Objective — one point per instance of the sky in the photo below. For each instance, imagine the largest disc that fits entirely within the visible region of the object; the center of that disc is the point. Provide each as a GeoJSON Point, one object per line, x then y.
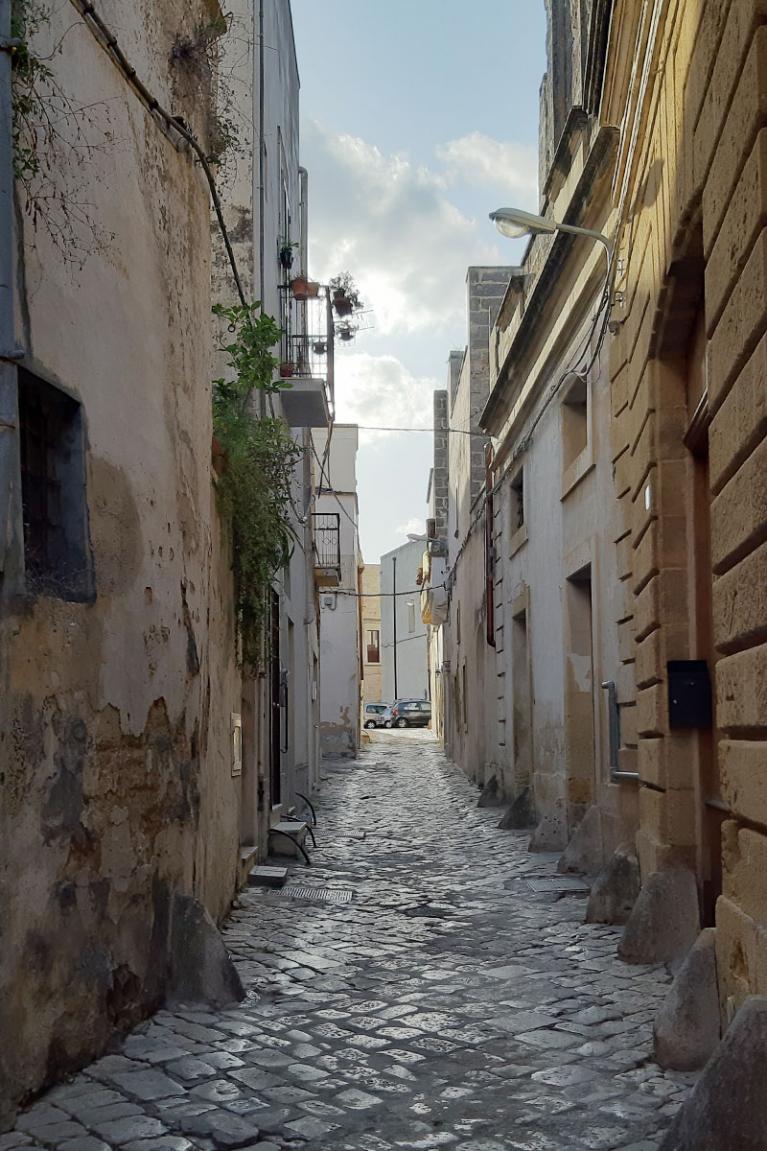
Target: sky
{"type": "Point", "coordinates": [418, 118]}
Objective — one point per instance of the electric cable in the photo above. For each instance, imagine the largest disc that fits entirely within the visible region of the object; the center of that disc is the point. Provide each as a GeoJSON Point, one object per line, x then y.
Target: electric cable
{"type": "Point", "coordinates": [173, 124]}
{"type": "Point", "coordinates": [380, 594]}
{"type": "Point", "coordinates": [330, 492]}
{"type": "Point", "coordinates": [433, 431]}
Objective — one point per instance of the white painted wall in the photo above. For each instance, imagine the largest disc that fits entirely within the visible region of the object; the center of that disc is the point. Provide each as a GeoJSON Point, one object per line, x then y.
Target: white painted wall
{"type": "Point", "coordinates": [340, 674]}
{"type": "Point", "coordinates": [411, 655]}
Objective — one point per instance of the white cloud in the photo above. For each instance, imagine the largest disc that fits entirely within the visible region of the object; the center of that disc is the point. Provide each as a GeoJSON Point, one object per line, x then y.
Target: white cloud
{"type": "Point", "coordinates": [414, 526]}
{"type": "Point", "coordinates": [380, 391]}
{"type": "Point", "coordinates": [392, 224]}
{"type": "Point", "coordinates": [503, 165]}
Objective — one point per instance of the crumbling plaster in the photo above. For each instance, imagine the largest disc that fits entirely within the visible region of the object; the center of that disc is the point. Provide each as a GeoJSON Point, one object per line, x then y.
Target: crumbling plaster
{"type": "Point", "coordinates": [114, 749]}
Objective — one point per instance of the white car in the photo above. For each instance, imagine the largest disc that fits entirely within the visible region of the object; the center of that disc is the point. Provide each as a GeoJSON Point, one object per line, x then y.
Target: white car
{"type": "Point", "coordinates": [373, 714]}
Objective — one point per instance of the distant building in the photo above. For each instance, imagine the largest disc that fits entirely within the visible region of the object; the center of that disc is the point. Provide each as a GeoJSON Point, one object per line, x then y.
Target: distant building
{"type": "Point", "coordinates": [371, 633]}
{"type": "Point", "coordinates": [404, 668]}
{"type": "Point", "coordinates": [339, 562]}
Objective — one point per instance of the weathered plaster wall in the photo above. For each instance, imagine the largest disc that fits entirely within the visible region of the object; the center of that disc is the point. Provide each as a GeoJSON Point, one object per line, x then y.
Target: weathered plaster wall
{"type": "Point", "coordinates": [114, 716]}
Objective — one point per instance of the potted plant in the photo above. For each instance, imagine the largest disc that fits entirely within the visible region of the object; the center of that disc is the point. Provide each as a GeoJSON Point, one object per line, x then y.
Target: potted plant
{"type": "Point", "coordinates": [303, 289]}
{"type": "Point", "coordinates": [319, 347]}
{"type": "Point", "coordinates": [286, 252]}
{"type": "Point", "coordinates": [287, 369]}
{"type": "Point", "coordinates": [345, 294]}
{"type": "Point", "coordinates": [345, 332]}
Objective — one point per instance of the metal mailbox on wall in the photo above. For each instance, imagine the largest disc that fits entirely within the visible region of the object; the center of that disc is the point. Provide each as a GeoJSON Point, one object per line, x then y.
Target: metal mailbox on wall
{"type": "Point", "coordinates": [689, 693]}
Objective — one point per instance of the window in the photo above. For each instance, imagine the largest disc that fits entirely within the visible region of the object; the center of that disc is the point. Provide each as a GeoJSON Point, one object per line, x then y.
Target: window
{"type": "Point", "coordinates": [57, 558]}
{"type": "Point", "coordinates": [575, 423]}
{"type": "Point", "coordinates": [517, 503]}
{"type": "Point", "coordinates": [374, 647]}
{"type": "Point", "coordinates": [410, 616]}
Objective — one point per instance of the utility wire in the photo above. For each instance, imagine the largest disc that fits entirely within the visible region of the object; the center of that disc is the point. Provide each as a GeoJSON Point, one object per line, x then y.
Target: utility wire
{"type": "Point", "coordinates": [380, 594]}
{"type": "Point", "coordinates": [435, 431]}
{"type": "Point", "coordinates": [173, 124]}
{"type": "Point", "coordinates": [329, 491]}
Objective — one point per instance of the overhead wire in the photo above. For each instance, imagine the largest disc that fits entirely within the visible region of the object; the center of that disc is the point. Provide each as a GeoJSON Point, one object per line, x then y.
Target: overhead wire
{"type": "Point", "coordinates": [380, 594]}
{"type": "Point", "coordinates": [174, 126]}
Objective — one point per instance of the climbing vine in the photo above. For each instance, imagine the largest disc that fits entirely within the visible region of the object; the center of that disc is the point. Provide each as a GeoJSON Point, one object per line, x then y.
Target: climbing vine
{"type": "Point", "coordinates": [259, 456]}
{"type": "Point", "coordinates": [54, 138]}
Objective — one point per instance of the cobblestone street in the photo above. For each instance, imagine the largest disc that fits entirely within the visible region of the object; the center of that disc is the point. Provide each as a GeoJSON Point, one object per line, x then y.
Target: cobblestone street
{"type": "Point", "coordinates": [455, 1000]}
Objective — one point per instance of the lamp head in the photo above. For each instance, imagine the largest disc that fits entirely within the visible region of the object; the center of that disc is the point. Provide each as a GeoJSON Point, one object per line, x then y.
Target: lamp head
{"type": "Point", "coordinates": [514, 223]}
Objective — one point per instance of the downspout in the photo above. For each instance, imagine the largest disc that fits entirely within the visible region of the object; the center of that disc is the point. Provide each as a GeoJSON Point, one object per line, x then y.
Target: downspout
{"type": "Point", "coordinates": [614, 719]}
{"type": "Point", "coordinates": [303, 215]}
{"type": "Point", "coordinates": [394, 617]}
{"type": "Point", "coordinates": [10, 512]}
{"type": "Point", "coordinates": [261, 171]}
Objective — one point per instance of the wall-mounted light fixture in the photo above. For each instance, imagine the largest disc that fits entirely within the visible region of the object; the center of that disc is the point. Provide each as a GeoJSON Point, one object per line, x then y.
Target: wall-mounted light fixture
{"type": "Point", "coordinates": [514, 223]}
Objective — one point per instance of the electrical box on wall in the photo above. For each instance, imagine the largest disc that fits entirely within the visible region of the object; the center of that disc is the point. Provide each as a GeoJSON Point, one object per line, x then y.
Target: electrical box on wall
{"type": "Point", "coordinates": [689, 693]}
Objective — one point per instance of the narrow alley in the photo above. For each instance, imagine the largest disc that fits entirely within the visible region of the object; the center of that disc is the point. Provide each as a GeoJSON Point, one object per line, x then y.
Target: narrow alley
{"type": "Point", "coordinates": [427, 983]}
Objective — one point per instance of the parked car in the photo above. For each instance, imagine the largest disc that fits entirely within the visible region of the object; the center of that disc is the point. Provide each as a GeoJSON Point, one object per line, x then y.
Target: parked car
{"type": "Point", "coordinates": [410, 713]}
{"type": "Point", "coordinates": [374, 714]}
{"type": "Point", "coordinates": [389, 715]}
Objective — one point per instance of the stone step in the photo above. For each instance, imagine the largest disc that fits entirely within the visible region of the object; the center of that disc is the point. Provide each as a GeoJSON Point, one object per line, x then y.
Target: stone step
{"type": "Point", "coordinates": [264, 876]}
{"type": "Point", "coordinates": [292, 830]}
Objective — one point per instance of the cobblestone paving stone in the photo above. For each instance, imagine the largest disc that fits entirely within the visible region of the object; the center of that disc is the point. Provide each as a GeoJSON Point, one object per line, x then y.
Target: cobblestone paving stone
{"type": "Point", "coordinates": [452, 1003]}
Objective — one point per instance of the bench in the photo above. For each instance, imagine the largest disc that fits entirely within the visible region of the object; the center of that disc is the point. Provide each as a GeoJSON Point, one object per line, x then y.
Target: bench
{"type": "Point", "coordinates": [293, 830]}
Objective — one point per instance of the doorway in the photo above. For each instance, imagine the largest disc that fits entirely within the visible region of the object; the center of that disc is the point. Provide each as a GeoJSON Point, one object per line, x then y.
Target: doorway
{"type": "Point", "coordinates": [579, 694]}
{"type": "Point", "coordinates": [275, 711]}
{"type": "Point", "coordinates": [711, 808]}
{"type": "Point", "coordinates": [522, 698]}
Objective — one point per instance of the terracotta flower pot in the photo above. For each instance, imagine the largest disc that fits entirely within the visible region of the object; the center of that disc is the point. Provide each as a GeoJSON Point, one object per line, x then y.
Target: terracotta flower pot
{"type": "Point", "coordinates": [341, 302]}
{"type": "Point", "coordinates": [287, 369]}
{"type": "Point", "coordinates": [304, 289]}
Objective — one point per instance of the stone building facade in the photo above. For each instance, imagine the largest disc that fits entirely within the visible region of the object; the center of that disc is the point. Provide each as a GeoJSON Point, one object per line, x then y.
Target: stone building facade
{"type": "Point", "coordinates": [371, 633]}
{"type": "Point", "coordinates": [622, 519]}
{"type": "Point", "coordinates": [687, 372]}
{"type": "Point", "coordinates": [265, 197]}
{"type": "Point", "coordinates": [133, 754]}
{"type": "Point", "coordinates": [404, 665]}
{"type": "Point", "coordinates": [339, 603]}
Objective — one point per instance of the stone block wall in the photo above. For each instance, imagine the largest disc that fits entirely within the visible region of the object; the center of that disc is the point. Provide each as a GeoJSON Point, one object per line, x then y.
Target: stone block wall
{"type": "Point", "coordinates": [689, 380]}
{"type": "Point", "coordinates": [440, 480]}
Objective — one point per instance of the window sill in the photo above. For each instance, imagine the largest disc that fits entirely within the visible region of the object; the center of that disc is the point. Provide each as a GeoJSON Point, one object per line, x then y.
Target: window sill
{"type": "Point", "coordinates": [577, 471]}
{"type": "Point", "coordinates": [517, 540]}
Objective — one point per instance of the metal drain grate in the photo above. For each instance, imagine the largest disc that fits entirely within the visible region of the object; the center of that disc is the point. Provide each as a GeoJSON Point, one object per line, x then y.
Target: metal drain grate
{"type": "Point", "coordinates": [323, 894]}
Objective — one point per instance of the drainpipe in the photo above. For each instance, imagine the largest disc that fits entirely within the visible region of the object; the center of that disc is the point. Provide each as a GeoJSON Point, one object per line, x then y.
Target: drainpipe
{"type": "Point", "coordinates": [303, 215]}
{"type": "Point", "coordinates": [10, 512]}
{"type": "Point", "coordinates": [615, 733]}
{"type": "Point", "coordinates": [261, 170]}
{"type": "Point", "coordinates": [394, 617]}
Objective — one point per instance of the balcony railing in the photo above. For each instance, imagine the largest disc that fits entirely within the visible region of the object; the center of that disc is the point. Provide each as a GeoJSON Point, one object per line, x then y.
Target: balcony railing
{"type": "Point", "coordinates": [327, 548]}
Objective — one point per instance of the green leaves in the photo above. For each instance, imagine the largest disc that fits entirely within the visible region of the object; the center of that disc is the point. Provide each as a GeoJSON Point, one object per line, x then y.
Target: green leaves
{"type": "Point", "coordinates": [255, 486]}
{"type": "Point", "coordinates": [251, 361]}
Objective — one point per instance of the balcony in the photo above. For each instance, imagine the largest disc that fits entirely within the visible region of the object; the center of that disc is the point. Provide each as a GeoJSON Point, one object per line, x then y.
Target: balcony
{"type": "Point", "coordinates": [326, 532]}
{"type": "Point", "coordinates": [305, 373]}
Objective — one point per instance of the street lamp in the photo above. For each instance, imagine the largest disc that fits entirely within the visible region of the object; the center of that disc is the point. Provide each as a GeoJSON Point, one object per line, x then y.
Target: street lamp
{"type": "Point", "coordinates": [514, 223]}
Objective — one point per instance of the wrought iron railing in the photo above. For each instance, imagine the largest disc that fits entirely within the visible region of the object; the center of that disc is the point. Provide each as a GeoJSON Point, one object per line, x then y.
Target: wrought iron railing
{"type": "Point", "coordinates": [327, 539]}
{"type": "Point", "coordinates": [308, 355]}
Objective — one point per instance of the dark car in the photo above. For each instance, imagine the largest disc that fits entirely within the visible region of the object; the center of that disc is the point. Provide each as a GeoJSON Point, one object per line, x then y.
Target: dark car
{"type": "Point", "coordinates": [411, 713]}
